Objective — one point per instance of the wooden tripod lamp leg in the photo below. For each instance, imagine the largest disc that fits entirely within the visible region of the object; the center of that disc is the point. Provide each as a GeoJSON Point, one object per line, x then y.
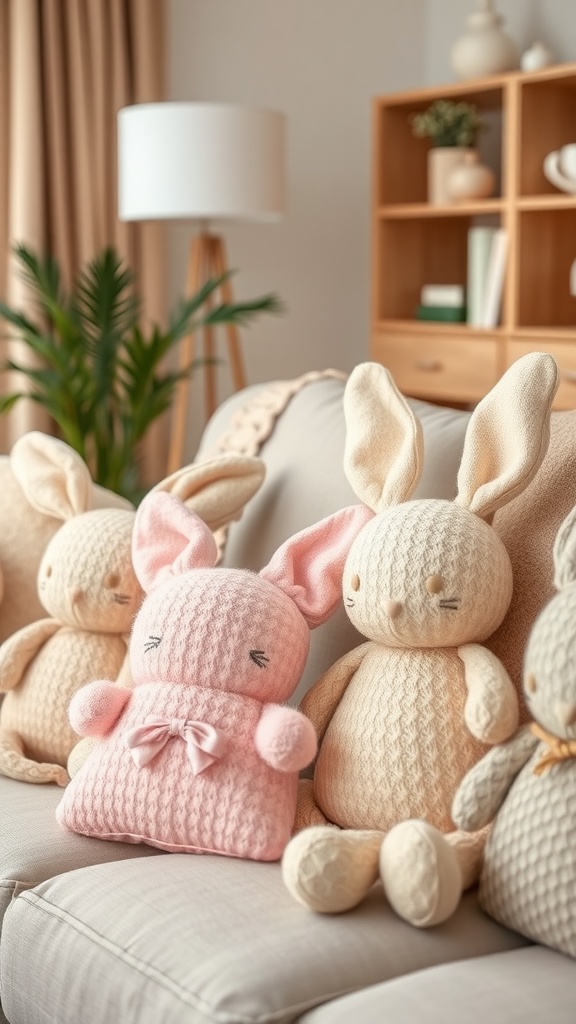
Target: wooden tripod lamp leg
{"type": "Point", "coordinates": [234, 349]}
{"type": "Point", "coordinates": [196, 262]}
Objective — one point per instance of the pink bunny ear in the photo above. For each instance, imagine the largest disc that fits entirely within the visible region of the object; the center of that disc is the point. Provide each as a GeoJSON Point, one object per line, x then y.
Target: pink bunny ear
{"type": "Point", "coordinates": [309, 566]}
{"type": "Point", "coordinates": [168, 539]}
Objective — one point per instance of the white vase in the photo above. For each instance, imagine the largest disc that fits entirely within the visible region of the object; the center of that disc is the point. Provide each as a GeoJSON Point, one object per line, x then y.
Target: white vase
{"type": "Point", "coordinates": [442, 161]}
{"type": "Point", "coordinates": [485, 49]}
{"type": "Point", "coordinates": [538, 56]}
{"type": "Point", "coordinates": [470, 179]}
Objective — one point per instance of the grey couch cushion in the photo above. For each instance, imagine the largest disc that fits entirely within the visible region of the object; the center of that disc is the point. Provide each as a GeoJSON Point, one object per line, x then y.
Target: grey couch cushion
{"type": "Point", "coordinates": [187, 939]}
{"type": "Point", "coordinates": [33, 847]}
{"type": "Point", "coordinates": [525, 986]}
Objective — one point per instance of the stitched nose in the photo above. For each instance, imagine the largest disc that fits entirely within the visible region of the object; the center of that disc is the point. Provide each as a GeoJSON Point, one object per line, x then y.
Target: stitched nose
{"type": "Point", "coordinates": [566, 713]}
{"type": "Point", "coordinates": [76, 595]}
{"type": "Point", "coordinates": [392, 608]}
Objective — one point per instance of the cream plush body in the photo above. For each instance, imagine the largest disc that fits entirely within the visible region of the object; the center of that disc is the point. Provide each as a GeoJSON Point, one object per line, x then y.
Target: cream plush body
{"type": "Point", "coordinates": [527, 786]}
{"type": "Point", "coordinates": [402, 718]}
{"type": "Point", "coordinates": [86, 582]}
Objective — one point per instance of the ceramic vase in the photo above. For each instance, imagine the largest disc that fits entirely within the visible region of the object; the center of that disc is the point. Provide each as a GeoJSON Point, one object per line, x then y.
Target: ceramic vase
{"type": "Point", "coordinates": [442, 161]}
{"type": "Point", "coordinates": [470, 179]}
{"type": "Point", "coordinates": [538, 56]}
{"type": "Point", "coordinates": [485, 49]}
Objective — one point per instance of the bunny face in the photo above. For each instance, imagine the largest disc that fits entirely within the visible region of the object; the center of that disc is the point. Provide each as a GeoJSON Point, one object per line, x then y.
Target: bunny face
{"type": "Point", "coordinates": [550, 666]}
{"type": "Point", "coordinates": [427, 573]}
{"type": "Point", "coordinates": [222, 629]}
{"type": "Point", "coordinates": [86, 579]}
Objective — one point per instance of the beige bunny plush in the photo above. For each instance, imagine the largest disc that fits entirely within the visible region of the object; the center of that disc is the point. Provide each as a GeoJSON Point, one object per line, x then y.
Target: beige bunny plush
{"type": "Point", "coordinates": [37, 460]}
{"type": "Point", "coordinates": [527, 786]}
{"type": "Point", "coordinates": [87, 584]}
{"type": "Point", "coordinates": [403, 717]}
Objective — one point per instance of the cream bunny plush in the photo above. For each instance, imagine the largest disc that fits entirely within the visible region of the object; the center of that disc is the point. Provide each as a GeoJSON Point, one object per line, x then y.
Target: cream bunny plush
{"type": "Point", "coordinates": [87, 584]}
{"type": "Point", "coordinates": [201, 754]}
{"type": "Point", "coordinates": [402, 718]}
{"type": "Point", "coordinates": [527, 786]}
{"type": "Point", "coordinates": [37, 461]}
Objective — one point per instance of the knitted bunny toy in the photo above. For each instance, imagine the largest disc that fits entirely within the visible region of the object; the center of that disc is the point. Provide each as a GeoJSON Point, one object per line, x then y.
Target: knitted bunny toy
{"type": "Point", "coordinates": [201, 756]}
{"type": "Point", "coordinates": [37, 461]}
{"type": "Point", "coordinates": [527, 786]}
{"type": "Point", "coordinates": [401, 718]}
{"type": "Point", "coordinates": [86, 582]}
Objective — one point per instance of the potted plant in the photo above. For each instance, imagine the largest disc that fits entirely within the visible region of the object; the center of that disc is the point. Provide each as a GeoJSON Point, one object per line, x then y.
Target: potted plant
{"type": "Point", "coordinates": [99, 375]}
{"type": "Point", "coordinates": [453, 128]}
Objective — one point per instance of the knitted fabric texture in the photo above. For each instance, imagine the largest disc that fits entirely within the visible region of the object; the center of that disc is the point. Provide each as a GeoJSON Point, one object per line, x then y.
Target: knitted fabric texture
{"type": "Point", "coordinates": [214, 653]}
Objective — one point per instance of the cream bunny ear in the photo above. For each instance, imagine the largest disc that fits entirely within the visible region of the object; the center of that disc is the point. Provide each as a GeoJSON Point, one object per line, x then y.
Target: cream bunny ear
{"type": "Point", "coordinates": [508, 435]}
{"type": "Point", "coordinates": [384, 446]}
{"type": "Point", "coordinates": [565, 552]}
{"type": "Point", "coordinates": [216, 490]}
{"type": "Point", "coordinates": [55, 480]}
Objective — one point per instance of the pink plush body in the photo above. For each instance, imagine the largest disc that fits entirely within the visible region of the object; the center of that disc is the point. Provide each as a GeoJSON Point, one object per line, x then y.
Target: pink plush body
{"type": "Point", "coordinates": [202, 755]}
{"type": "Point", "coordinates": [239, 805]}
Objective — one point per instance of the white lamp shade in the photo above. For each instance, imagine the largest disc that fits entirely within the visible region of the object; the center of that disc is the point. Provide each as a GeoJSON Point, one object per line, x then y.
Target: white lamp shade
{"type": "Point", "coordinates": [200, 160]}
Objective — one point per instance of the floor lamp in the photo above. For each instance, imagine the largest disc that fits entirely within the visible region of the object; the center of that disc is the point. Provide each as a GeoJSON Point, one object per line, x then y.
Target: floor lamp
{"type": "Point", "coordinates": [203, 162]}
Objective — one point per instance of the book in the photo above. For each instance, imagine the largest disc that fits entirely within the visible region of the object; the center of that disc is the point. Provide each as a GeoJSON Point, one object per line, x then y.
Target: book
{"type": "Point", "coordinates": [495, 279]}
{"type": "Point", "coordinates": [480, 240]}
{"type": "Point", "coordinates": [442, 295]}
{"type": "Point", "coordinates": [454, 314]}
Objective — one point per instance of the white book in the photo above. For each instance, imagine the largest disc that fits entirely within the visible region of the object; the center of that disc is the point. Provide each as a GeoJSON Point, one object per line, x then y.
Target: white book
{"type": "Point", "coordinates": [442, 295]}
{"type": "Point", "coordinates": [495, 279]}
{"type": "Point", "coordinates": [479, 246]}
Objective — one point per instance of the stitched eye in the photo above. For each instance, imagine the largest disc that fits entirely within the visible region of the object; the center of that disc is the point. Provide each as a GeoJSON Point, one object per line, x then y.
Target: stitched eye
{"type": "Point", "coordinates": [531, 683]}
{"type": "Point", "coordinates": [435, 584]}
{"type": "Point", "coordinates": [151, 643]}
{"type": "Point", "coordinates": [355, 582]}
{"type": "Point", "coordinates": [259, 658]}
{"type": "Point", "coordinates": [112, 580]}
{"type": "Point", "coordinates": [48, 571]}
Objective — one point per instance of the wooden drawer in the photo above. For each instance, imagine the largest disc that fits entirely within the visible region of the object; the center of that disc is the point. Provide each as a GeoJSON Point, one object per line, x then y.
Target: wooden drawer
{"type": "Point", "coordinates": [456, 369]}
{"type": "Point", "coordinates": [564, 354]}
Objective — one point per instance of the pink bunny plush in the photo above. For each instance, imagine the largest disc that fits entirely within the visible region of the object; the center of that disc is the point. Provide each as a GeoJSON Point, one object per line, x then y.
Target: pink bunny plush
{"type": "Point", "coordinates": [201, 755]}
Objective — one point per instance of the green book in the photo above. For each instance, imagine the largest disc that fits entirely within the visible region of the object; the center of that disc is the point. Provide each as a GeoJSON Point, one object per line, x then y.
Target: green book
{"type": "Point", "coordinates": [455, 314]}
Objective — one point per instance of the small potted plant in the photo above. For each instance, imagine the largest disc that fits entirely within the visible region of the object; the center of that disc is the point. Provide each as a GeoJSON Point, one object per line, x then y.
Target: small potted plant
{"type": "Point", "coordinates": [453, 128]}
{"type": "Point", "coordinates": [97, 371]}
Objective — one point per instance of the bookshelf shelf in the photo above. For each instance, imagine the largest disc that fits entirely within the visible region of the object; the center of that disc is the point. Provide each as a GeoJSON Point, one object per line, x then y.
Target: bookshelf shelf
{"type": "Point", "coordinates": [415, 243]}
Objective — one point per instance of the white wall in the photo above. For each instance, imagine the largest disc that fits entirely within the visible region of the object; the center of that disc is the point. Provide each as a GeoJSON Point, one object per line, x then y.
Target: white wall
{"type": "Point", "coordinates": [321, 62]}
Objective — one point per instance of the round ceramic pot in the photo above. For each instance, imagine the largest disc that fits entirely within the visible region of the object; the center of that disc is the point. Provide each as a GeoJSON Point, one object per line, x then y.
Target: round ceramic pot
{"type": "Point", "coordinates": [470, 179]}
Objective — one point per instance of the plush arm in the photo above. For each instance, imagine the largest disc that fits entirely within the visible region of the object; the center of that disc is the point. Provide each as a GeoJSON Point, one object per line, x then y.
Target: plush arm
{"type": "Point", "coordinates": [284, 738]}
{"type": "Point", "coordinates": [96, 708]}
{"type": "Point", "coordinates": [18, 650]}
{"type": "Point", "coordinates": [491, 711]}
{"type": "Point", "coordinates": [324, 696]}
{"type": "Point", "coordinates": [483, 789]}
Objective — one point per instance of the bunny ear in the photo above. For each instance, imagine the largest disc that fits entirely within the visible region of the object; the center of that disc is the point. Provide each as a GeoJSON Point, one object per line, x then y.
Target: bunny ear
{"type": "Point", "coordinates": [565, 552]}
{"type": "Point", "coordinates": [168, 539]}
{"type": "Point", "coordinates": [383, 449]}
{"type": "Point", "coordinates": [218, 489]}
{"type": "Point", "coordinates": [309, 566]}
{"type": "Point", "coordinates": [52, 475]}
{"type": "Point", "coordinates": [508, 435]}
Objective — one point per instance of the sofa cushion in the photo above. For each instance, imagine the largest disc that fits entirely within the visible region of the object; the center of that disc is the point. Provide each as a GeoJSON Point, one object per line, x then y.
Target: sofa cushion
{"type": "Point", "coordinates": [297, 427]}
{"type": "Point", "coordinates": [187, 939]}
{"type": "Point", "coordinates": [524, 986]}
{"type": "Point", "coordinates": [33, 847]}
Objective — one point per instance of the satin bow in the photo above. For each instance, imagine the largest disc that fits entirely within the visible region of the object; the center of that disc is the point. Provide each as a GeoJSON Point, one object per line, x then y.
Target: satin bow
{"type": "Point", "coordinates": [204, 743]}
{"type": "Point", "coordinates": [558, 749]}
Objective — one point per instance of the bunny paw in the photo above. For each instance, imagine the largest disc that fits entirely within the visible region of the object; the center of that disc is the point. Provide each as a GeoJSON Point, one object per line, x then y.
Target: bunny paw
{"type": "Point", "coordinates": [420, 873]}
{"type": "Point", "coordinates": [330, 871]}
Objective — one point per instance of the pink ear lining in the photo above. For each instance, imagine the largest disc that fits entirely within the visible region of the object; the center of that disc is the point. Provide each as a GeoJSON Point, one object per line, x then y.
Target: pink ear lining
{"type": "Point", "coordinates": [169, 539]}
{"type": "Point", "coordinates": [309, 566]}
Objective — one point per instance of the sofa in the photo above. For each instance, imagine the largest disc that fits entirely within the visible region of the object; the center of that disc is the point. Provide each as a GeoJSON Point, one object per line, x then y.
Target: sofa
{"type": "Point", "coordinates": [95, 932]}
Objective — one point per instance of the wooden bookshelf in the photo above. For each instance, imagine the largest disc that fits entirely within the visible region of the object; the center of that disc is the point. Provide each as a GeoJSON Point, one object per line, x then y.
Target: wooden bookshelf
{"type": "Point", "coordinates": [415, 243]}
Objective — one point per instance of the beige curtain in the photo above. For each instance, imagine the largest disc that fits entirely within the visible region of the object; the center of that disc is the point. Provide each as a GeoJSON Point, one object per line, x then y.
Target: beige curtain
{"type": "Point", "coordinates": [66, 68]}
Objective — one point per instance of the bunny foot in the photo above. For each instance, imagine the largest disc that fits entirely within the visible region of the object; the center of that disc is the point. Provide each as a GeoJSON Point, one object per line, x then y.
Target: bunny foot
{"type": "Point", "coordinates": [420, 873]}
{"type": "Point", "coordinates": [329, 870]}
{"type": "Point", "coordinates": [15, 765]}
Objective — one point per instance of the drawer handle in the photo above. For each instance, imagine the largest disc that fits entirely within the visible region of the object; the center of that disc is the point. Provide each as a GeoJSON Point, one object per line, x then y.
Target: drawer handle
{"type": "Point", "coordinates": [569, 376]}
{"type": "Point", "coordinates": [433, 365]}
